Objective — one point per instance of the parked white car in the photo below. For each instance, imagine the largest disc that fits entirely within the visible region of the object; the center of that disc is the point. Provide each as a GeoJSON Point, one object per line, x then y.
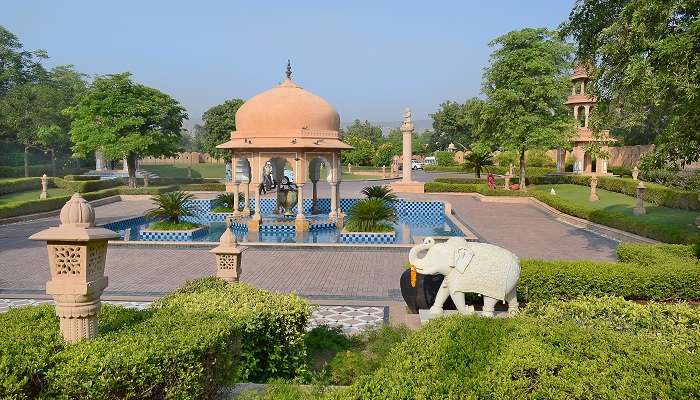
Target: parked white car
{"type": "Point", "coordinates": [416, 165]}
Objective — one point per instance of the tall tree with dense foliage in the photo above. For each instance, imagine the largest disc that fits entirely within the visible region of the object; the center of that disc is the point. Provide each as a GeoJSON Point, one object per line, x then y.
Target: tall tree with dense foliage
{"type": "Point", "coordinates": [364, 130]}
{"type": "Point", "coordinates": [362, 151]}
{"type": "Point", "coordinates": [456, 123]}
{"type": "Point", "coordinates": [646, 72]}
{"type": "Point", "coordinates": [526, 83]}
{"type": "Point", "coordinates": [125, 119]}
{"type": "Point", "coordinates": [32, 111]}
{"type": "Point", "coordinates": [18, 66]}
{"type": "Point", "coordinates": [219, 121]}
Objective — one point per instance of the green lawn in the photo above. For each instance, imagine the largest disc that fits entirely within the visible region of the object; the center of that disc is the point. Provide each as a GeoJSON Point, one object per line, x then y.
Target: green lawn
{"type": "Point", "coordinates": [617, 202]}
{"type": "Point", "coordinates": [180, 171]}
{"type": "Point", "coordinates": [31, 195]}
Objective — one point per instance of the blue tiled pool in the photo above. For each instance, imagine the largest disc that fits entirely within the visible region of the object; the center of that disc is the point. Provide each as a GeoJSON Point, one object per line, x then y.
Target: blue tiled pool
{"type": "Point", "coordinates": [415, 218]}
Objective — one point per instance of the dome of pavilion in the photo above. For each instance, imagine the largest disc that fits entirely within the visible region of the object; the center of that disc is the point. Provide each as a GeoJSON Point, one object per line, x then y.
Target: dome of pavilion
{"type": "Point", "coordinates": [286, 110]}
{"type": "Point", "coordinates": [286, 116]}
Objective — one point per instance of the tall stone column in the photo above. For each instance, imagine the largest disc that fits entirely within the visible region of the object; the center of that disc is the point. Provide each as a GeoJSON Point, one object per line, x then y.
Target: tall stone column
{"type": "Point", "coordinates": [407, 131]}
{"type": "Point", "coordinates": [407, 184]}
{"type": "Point", "coordinates": [77, 254]}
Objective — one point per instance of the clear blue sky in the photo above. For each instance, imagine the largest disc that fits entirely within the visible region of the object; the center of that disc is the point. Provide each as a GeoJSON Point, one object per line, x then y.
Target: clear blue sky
{"type": "Point", "coordinates": [370, 59]}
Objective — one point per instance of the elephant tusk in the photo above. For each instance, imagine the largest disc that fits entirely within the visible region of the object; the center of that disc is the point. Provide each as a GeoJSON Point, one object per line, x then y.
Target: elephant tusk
{"type": "Point", "coordinates": [414, 278]}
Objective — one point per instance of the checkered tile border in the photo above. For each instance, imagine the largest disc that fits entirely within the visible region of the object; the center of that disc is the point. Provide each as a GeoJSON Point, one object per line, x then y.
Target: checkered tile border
{"type": "Point", "coordinates": [173, 236]}
{"type": "Point", "coordinates": [368, 237]}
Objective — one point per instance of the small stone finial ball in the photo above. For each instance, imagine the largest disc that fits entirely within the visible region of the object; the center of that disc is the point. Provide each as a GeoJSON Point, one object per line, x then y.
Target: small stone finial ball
{"type": "Point", "coordinates": [78, 212]}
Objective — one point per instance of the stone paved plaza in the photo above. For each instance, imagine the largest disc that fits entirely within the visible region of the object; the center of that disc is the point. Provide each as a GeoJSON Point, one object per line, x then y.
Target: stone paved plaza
{"type": "Point", "coordinates": [316, 273]}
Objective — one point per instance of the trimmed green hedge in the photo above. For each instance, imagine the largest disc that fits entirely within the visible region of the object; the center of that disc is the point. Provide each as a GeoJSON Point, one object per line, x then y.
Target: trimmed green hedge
{"type": "Point", "coordinates": [20, 185]}
{"type": "Point", "coordinates": [460, 357]}
{"type": "Point", "coordinates": [549, 280]}
{"type": "Point", "coordinates": [37, 170]}
{"type": "Point", "coordinates": [87, 186]}
{"type": "Point", "coordinates": [184, 347]}
{"type": "Point", "coordinates": [629, 223]}
{"type": "Point", "coordinates": [81, 178]}
{"type": "Point", "coordinates": [443, 168]}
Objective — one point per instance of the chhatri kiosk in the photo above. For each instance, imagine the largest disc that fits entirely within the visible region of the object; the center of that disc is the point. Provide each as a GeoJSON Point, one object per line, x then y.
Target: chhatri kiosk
{"type": "Point", "coordinates": [286, 125]}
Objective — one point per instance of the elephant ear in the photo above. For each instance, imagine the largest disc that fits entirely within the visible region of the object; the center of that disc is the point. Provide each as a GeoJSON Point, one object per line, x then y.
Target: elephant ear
{"type": "Point", "coordinates": [463, 256]}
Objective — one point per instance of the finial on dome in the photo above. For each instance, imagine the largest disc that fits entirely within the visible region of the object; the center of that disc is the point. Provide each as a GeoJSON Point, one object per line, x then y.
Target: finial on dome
{"type": "Point", "coordinates": [289, 69]}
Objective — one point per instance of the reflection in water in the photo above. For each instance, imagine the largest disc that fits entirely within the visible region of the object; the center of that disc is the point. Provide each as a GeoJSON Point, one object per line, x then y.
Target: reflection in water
{"type": "Point", "coordinates": [414, 225]}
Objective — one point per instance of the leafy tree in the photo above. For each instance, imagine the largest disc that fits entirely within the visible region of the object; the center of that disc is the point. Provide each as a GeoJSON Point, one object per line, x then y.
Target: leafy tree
{"type": "Point", "coordinates": [198, 134]}
{"type": "Point", "coordinates": [445, 158]}
{"type": "Point", "coordinates": [219, 122]}
{"type": "Point", "coordinates": [646, 72]}
{"type": "Point", "coordinates": [364, 130]}
{"type": "Point", "coordinates": [526, 84]}
{"type": "Point", "coordinates": [383, 155]}
{"type": "Point", "coordinates": [456, 123]}
{"type": "Point", "coordinates": [32, 111]}
{"type": "Point", "coordinates": [478, 157]}
{"type": "Point", "coordinates": [361, 154]}
{"type": "Point", "coordinates": [18, 66]}
{"type": "Point", "coordinates": [125, 119]}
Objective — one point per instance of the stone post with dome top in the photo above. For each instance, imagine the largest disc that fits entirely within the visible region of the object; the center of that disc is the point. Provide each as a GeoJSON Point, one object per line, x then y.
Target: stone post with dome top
{"type": "Point", "coordinates": [77, 254]}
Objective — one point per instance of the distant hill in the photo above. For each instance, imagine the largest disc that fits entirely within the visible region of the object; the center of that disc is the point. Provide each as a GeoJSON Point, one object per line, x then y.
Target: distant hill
{"type": "Point", "coordinates": [419, 125]}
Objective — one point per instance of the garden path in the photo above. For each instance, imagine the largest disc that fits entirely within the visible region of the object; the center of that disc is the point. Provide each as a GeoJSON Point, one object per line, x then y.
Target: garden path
{"type": "Point", "coordinates": [349, 274]}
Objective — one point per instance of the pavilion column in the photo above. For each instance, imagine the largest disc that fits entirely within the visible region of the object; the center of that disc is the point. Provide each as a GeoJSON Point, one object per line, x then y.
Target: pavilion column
{"type": "Point", "coordinates": [246, 201]}
{"type": "Point", "coordinates": [301, 224]}
{"type": "Point", "coordinates": [257, 215]}
{"type": "Point", "coordinates": [333, 214]}
{"type": "Point", "coordinates": [314, 199]}
{"type": "Point", "coordinates": [588, 112]}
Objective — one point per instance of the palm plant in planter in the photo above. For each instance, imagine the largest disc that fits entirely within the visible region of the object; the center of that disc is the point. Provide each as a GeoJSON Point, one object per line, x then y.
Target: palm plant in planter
{"type": "Point", "coordinates": [170, 207]}
{"type": "Point", "coordinates": [226, 201]}
{"type": "Point", "coordinates": [379, 192]}
{"type": "Point", "coordinates": [370, 215]}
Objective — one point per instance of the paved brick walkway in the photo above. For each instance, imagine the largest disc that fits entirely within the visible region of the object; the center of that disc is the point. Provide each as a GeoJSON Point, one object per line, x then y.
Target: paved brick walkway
{"type": "Point", "coordinates": [319, 273]}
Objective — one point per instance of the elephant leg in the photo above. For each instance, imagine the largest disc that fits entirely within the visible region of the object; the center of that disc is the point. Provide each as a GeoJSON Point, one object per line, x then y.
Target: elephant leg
{"type": "Point", "coordinates": [489, 305]}
{"type": "Point", "coordinates": [512, 300]}
{"type": "Point", "coordinates": [440, 299]}
{"type": "Point", "coordinates": [462, 307]}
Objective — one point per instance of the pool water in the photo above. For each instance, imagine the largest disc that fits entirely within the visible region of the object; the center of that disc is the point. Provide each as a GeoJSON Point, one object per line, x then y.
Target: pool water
{"type": "Point", "coordinates": [406, 229]}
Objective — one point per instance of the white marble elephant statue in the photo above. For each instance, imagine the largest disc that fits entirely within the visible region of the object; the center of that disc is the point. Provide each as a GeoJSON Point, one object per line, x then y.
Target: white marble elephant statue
{"type": "Point", "coordinates": [469, 267]}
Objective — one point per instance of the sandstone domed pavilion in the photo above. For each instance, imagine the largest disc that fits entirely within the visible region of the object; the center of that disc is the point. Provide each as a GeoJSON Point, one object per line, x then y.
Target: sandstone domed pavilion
{"type": "Point", "coordinates": [286, 124]}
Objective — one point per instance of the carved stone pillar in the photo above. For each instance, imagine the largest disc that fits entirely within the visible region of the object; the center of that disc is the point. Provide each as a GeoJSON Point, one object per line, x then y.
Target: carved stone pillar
{"type": "Point", "coordinates": [594, 192]}
{"type": "Point", "coordinates": [228, 257]}
{"type": "Point", "coordinates": [44, 185]}
{"type": "Point", "coordinates": [639, 206]}
{"type": "Point", "coordinates": [77, 254]}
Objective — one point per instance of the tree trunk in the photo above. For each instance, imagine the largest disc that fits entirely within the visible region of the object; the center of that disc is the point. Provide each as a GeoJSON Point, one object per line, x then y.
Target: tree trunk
{"type": "Point", "coordinates": [131, 165]}
{"type": "Point", "coordinates": [26, 161]}
{"type": "Point", "coordinates": [522, 170]}
{"type": "Point", "coordinates": [53, 162]}
{"type": "Point", "coordinates": [477, 169]}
